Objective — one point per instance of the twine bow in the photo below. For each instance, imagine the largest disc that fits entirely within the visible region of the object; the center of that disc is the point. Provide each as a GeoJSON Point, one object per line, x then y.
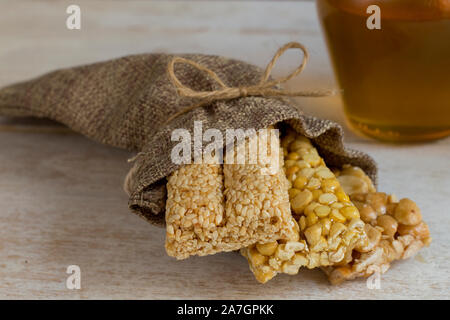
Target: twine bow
{"type": "Point", "coordinates": [265, 87]}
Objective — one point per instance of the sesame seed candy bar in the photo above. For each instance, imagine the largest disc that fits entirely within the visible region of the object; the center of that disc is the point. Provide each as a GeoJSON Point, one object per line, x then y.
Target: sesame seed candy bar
{"type": "Point", "coordinates": [257, 202]}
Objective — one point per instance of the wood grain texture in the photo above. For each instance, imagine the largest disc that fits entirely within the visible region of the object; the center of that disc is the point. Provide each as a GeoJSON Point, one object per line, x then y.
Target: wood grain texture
{"type": "Point", "coordinates": [61, 198]}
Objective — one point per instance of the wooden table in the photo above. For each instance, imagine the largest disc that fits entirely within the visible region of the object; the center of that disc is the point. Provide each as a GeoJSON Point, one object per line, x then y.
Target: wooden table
{"type": "Point", "coordinates": [61, 198]}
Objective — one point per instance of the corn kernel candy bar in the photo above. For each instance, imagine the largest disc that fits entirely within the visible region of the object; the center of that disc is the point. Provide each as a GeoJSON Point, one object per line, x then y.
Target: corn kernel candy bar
{"type": "Point", "coordinates": [395, 231]}
{"type": "Point", "coordinates": [210, 209]}
{"type": "Point", "coordinates": [330, 225]}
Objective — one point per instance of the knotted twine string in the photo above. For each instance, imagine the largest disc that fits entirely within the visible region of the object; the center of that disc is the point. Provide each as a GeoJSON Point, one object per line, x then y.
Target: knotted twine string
{"type": "Point", "coordinates": [264, 88]}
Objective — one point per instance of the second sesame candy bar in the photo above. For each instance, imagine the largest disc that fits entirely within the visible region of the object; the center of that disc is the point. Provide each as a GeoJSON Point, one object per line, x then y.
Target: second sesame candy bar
{"type": "Point", "coordinates": [257, 201]}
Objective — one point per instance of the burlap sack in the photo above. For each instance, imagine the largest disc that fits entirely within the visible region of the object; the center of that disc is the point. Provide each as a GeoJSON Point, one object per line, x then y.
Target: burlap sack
{"type": "Point", "coordinates": [125, 103]}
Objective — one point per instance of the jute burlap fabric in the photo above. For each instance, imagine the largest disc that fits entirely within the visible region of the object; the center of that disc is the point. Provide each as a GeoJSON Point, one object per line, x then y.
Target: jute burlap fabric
{"type": "Point", "coordinates": [126, 103]}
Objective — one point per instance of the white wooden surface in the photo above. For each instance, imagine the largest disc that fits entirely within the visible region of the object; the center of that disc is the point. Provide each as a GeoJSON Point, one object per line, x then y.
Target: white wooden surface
{"type": "Point", "coordinates": [61, 201]}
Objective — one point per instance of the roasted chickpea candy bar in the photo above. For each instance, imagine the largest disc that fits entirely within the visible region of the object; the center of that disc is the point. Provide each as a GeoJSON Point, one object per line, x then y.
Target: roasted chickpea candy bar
{"type": "Point", "coordinates": [395, 231]}
{"type": "Point", "coordinates": [354, 180]}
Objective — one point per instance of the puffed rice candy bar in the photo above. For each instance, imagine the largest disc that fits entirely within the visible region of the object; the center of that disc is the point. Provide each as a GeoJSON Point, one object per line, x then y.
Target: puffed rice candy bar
{"type": "Point", "coordinates": [194, 209]}
{"type": "Point", "coordinates": [330, 225]}
{"type": "Point", "coordinates": [208, 211]}
{"type": "Point", "coordinates": [395, 231]}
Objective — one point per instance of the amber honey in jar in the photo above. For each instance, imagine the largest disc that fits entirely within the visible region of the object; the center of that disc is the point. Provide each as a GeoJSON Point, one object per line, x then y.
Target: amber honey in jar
{"type": "Point", "coordinates": [395, 80]}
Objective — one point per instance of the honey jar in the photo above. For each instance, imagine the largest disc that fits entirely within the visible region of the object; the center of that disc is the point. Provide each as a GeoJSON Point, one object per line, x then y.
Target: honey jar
{"type": "Point", "coordinates": [395, 72]}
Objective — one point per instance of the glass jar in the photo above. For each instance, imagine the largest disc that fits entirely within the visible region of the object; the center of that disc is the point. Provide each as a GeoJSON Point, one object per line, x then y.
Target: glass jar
{"type": "Point", "coordinates": [395, 80]}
